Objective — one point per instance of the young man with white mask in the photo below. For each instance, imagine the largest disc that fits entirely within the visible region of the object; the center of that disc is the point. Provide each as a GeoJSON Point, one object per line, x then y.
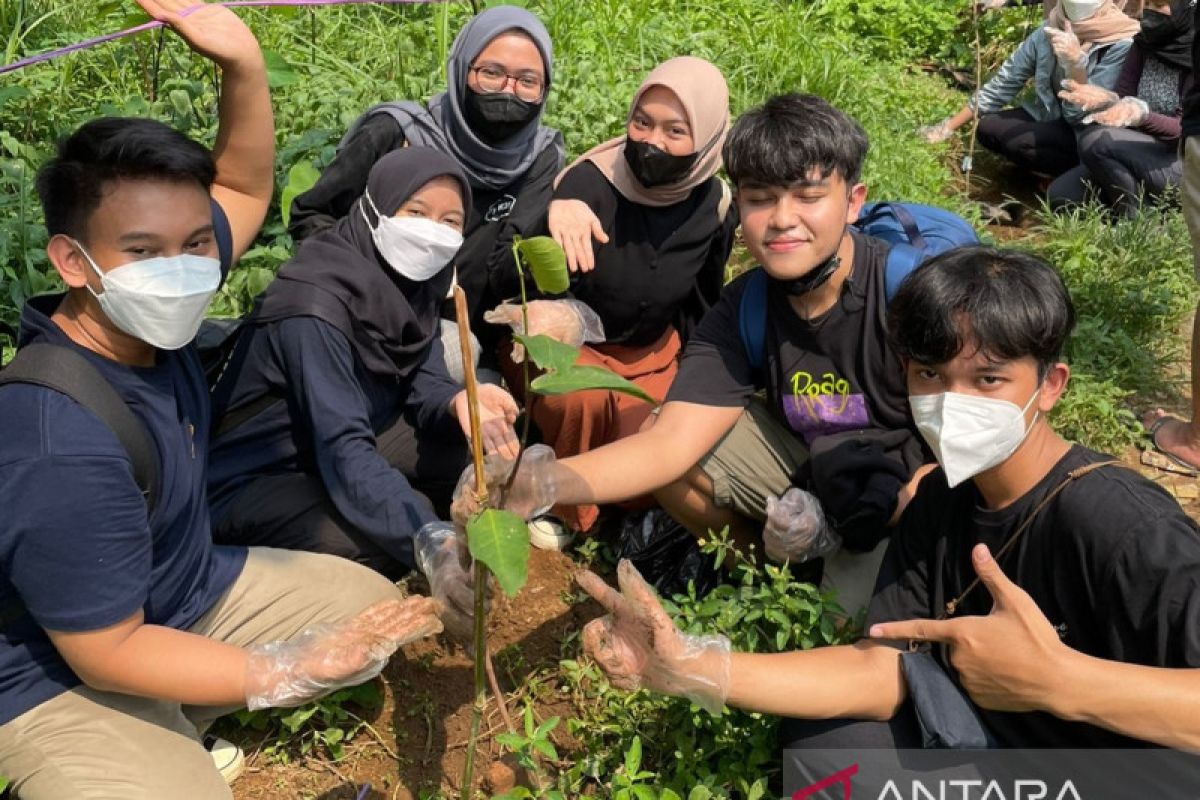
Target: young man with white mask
{"type": "Point", "coordinates": [123, 631]}
{"type": "Point", "coordinates": [1058, 589]}
{"type": "Point", "coordinates": [833, 429]}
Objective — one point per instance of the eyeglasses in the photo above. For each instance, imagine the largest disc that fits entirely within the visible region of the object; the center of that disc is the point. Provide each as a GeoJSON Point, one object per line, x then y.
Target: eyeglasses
{"type": "Point", "coordinates": [492, 78]}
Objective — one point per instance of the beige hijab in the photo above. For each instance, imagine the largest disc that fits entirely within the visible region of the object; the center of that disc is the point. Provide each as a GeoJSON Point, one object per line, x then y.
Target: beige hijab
{"type": "Point", "coordinates": [1109, 24]}
{"type": "Point", "coordinates": [702, 92]}
{"type": "Point", "coordinates": [1131, 7]}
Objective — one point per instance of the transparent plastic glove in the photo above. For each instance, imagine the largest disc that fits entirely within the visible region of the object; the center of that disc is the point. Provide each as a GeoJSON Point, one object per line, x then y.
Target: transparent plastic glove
{"type": "Point", "coordinates": [639, 647]}
{"type": "Point", "coordinates": [441, 554]}
{"type": "Point", "coordinates": [567, 321]}
{"type": "Point", "coordinates": [937, 132]}
{"type": "Point", "coordinates": [574, 225]}
{"type": "Point", "coordinates": [1087, 96]}
{"type": "Point", "coordinates": [796, 528]}
{"type": "Point", "coordinates": [532, 493]}
{"type": "Point", "coordinates": [1128, 113]}
{"type": "Point", "coordinates": [1070, 53]}
{"type": "Point", "coordinates": [328, 657]}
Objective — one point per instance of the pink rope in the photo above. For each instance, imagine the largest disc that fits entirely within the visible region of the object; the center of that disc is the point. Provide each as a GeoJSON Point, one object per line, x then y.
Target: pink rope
{"type": "Point", "coordinates": [151, 25]}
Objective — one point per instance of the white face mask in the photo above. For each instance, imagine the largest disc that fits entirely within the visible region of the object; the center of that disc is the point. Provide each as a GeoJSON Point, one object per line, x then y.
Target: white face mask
{"type": "Point", "coordinates": [416, 247]}
{"type": "Point", "coordinates": [1077, 10]}
{"type": "Point", "coordinates": [158, 300]}
{"type": "Point", "coordinates": [970, 434]}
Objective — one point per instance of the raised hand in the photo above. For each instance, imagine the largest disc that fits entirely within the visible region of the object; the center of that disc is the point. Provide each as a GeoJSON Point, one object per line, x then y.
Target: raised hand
{"type": "Point", "coordinates": [212, 31]}
{"type": "Point", "coordinates": [573, 225]}
{"type": "Point", "coordinates": [638, 646]}
{"type": "Point", "coordinates": [1010, 660]}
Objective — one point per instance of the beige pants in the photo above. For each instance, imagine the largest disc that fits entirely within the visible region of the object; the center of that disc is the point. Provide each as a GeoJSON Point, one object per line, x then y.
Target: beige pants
{"type": "Point", "coordinates": [1191, 196]}
{"type": "Point", "coordinates": [90, 744]}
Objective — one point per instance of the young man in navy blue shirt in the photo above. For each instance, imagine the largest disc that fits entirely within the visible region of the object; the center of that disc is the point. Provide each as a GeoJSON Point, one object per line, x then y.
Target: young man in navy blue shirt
{"type": "Point", "coordinates": [126, 631]}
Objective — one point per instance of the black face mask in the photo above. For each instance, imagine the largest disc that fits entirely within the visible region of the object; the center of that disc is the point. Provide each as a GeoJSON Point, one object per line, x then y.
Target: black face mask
{"type": "Point", "coordinates": [814, 279]}
{"type": "Point", "coordinates": [653, 166]}
{"type": "Point", "coordinates": [1167, 37]}
{"type": "Point", "coordinates": [498, 116]}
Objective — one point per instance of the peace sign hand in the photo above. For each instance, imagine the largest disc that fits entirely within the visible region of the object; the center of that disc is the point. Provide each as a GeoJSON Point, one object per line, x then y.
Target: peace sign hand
{"type": "Point", "coordinates": [638, 645]}
{"type": "Point", "coordinates": [212, 31]}
{"type": "Point", "coordinates": [1010, 660]}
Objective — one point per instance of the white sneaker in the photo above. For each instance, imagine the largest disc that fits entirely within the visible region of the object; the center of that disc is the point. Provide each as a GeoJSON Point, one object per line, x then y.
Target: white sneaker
{"type": "Point", "coordinates": [227, 757]}
{"type": "Point", "coordinates": [547, 533]}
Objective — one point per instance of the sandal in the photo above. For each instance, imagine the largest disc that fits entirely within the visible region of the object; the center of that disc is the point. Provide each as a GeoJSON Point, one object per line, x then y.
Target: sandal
{"type": "Point", "coordinates": [1159, 458]}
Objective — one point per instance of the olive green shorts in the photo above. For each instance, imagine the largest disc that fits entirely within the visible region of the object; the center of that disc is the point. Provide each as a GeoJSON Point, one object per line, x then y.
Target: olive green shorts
{"type": "Point", "coordinates": [759, 457]}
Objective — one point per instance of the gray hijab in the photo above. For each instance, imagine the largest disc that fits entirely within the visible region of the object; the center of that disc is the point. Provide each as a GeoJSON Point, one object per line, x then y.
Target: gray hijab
{"type": "Point", "coordinates": [442, 123]}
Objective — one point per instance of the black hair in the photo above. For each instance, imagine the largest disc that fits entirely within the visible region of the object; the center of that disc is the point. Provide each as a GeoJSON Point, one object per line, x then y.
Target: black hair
{"type": "Point", "coordinates": [71, 185]}
{"type": "Point", "coordinates": [1013, 304]}
{"type": "Point", "coordinates": [791, 135]}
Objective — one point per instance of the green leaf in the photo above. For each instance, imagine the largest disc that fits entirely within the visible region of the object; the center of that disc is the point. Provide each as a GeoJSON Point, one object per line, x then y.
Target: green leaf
{"type": "Point", "coordinates": [549, 354]}
{"type": "Point", "coordinates": [500, 539]}
{"type": "Point", "coordinates": [633, 756]}
{"type": "Point", "coordinates": [574, 379]}
{"type": "Point", "coordinates": [544, 747]}
{"type": "Point", "coordinates": [301, 177]}
{"type": "Point", "coordinates": [511, 740]}
{"type": "Point", "coordinates": [644, 793]}
{"type": "Point", "coordinates": [668, 794]}
{"type": "Point", "coordinates": [546, 262]}
{"type": "Point", "coordinates": [279, 71]}
{"type": "Point", "coordinates": [700, 793]}
{"type": "Point", "coordinates": [546, 727]}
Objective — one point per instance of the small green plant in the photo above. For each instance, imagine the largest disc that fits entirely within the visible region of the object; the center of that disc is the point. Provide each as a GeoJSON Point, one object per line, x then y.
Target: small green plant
{"type": "Point", "coordinates": [322, 727]}
{"type": "Point", "coordinates": [529, 749]}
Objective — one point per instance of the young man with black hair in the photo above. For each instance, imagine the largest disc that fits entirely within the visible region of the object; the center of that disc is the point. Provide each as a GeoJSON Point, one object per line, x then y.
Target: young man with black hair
{"type": "Point", "coordinates": [123, 631]}
{"type": "Point", "coordinates": [834, 421]}
{"type": "Point", "coordinates": [1082, 629]}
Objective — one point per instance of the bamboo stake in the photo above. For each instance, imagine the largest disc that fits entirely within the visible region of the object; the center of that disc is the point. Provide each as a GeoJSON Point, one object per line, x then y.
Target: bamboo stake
{"type": "Point", "coordinates": [481, 494]}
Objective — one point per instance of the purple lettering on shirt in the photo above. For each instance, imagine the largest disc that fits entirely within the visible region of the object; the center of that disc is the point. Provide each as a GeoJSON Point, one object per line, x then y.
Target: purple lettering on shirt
{"type": "Point", "coordinates": [812, 417]}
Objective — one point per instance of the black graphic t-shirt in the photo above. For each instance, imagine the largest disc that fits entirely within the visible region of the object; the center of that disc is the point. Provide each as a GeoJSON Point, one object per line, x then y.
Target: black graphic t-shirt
{"type": "Point", "coordinates": [834, 381]}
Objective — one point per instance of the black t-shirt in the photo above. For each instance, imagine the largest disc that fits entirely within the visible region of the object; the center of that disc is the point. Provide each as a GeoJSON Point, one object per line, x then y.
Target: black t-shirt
{"type": "Point", "coordinates": [1112, 562]}
{"type": "Point", "coordinates": [834, 381]}
{"type": "Point", "coordinates": [662, 266]}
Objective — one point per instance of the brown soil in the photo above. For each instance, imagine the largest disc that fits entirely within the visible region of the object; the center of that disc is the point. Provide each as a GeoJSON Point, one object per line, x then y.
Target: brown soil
{"type": "Point", "coordinates": [417, 740]}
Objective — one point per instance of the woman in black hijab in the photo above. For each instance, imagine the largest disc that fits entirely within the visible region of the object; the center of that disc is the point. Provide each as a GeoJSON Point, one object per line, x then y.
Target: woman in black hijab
{"type": "Point", "coordinates": [335, 403]}
{"type": "Point", "coordinates": [489, 121]}
{"type": "Point", "coordinates": [1130, 151]}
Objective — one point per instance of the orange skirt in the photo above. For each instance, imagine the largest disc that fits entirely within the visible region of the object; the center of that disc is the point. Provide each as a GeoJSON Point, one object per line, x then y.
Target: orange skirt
{"type": "Point", "coordinates": [580, 421]}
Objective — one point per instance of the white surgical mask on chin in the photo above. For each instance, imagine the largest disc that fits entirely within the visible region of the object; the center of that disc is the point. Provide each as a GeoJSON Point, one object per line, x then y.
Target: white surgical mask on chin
{"type": "Point", "coordinates": [416, 247]}
{"type": "Point", "coordinates": [970, 434]}
{"type": "Point", "coordinates": [1077, 10]}
{"type": "Point", "coordinates": [158, 300]}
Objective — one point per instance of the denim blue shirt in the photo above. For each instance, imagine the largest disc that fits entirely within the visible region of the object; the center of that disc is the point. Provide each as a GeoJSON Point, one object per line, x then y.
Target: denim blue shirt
{"type": "Point", "coordinates": [1035, 59]}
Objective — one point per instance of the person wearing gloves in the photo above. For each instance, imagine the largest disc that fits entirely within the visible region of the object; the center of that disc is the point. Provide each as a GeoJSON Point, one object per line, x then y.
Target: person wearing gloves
{"type": "Point", "coordinates": [663, 232]}
{"type": "Point", "coordinates": [1130, 150]}
{"type": "Point", "coordinates": [335, 404]}
{"type": "Point", "coordinates": [123, 630]}
{"type": "Point", "coordinates": [489, 121]}
{"type": "Point", "coordinates": [832, 422]}
{"type": "Point", "coordinates": [1131, 7]}
{"type": "Point", "coordinates": [1056, 589]}
{"type": "Point", "coordinates": [1083, 40]}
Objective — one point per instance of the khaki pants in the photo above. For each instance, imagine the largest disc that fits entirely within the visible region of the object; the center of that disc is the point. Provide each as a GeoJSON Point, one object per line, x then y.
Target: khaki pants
{"type": "Point", "coordinates": [761, 457]}
{"type": "Point", "coordinates": [1191, 196]}
{"type": "Point", "coordinates": [90, 744]}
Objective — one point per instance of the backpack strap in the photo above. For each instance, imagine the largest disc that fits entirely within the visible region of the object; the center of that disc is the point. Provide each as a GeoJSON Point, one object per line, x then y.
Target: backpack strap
{"type": "Point", "coordinates": [63, 370]}
{"type": "Point", "coordinates": [752, 317]}
{"type": "Point", "coordinates": [67, 372]}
